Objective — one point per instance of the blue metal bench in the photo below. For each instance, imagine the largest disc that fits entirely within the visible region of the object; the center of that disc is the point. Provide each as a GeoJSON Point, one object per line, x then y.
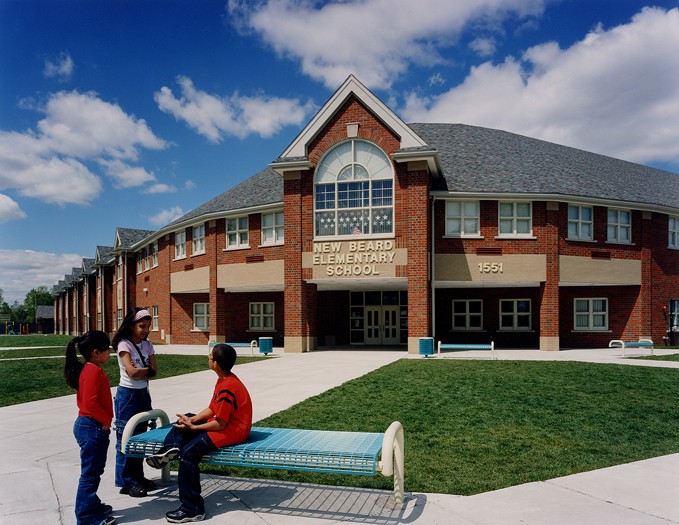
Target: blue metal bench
{"type": "Point", "coordinates": [460, 347]}
{"type": "Point", "coordinates": [641, 343]}
{"type": "Point", "coordinates": [251, 345]}
{"type": "Point", "coordinates": [290, 449]}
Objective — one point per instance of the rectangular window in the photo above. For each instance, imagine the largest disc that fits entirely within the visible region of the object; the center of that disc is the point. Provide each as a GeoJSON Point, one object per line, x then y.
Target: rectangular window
{"type": "Point", "coordinates": [515, 314]}
{"type": "Point", "coordinates": [580, 222]}
{"type": "Point", "coordinates": [179, 245]}
{"type": "Point", "coordinates": [154, 318]}
{"type": "Point", "coordinates": [619, 226]}
{"type": "Point", "coordinates": [119, 319]}
{"type": "Point", "coordinates": [515, 219]}
{"type": "Point", "coordinates": [154, 252]}
{"type": "Point", "coordinates": [462, 218]}
{"type": "Point", "coordinates": [237, 232]}
{"type": "Point", "coordinates": [468, 315]}
{"type": "Point", "coordinates": [140, 261]}
{"type": "Point", "coordinates": [272, 228]}
{"type": "Point", "coordinates": [591, 314]}
{"type": "Point", "coordinates": [201, 316]}
{"type": "Point", "coordinates": [673, 240]}
{"type": "Point", "coordinates": [198, 239]}
{"type": "Point", "coordinates": [147, 257]}
{"type": "Point", "coordinates": [262, 316]}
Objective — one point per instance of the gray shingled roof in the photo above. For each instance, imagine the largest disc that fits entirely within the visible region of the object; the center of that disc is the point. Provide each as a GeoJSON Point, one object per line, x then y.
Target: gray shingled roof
{"type": "Point", "coordinates": [483, 160]}
{"type": "Point", "coordinates": [129, 236]}
{"type": "Point", "coordinates": [266, 187]}
{"type": "Point", "coordinates": [88, 266]}
{"type": "Point", "coordinates": [44, 312]}
{"type": "Point", "coordinates": [104, 254]}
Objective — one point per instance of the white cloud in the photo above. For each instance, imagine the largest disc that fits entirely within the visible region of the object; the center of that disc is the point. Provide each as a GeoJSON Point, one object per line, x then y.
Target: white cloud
{"type": "Point", "coordinates": [189, 185]}
{"type": "Point", "coordinates": [483, 47]}
{"type": "Point", "coordinates": [214, 116]}
{"type": "Point", "coordinates": [54, 162]}
{"type": "Point", "coordinates": [377, 40]}
{"type": "Point", "coordinates": [166, 216]}
{"type": "Point", "coordinates": [61, 68]}
{"type": "Point", "coordinates": [10, 210]}
{"type": "Point", "coordinates": [23, 270]}
{"type": "Point", "coordinates": [615, 92]}
{"type": "Point", "coordinates": [160, 188]}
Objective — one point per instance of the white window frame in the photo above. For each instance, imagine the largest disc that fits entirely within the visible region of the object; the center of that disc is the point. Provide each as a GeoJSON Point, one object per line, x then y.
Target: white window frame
{"type": "Point", "coordinates": [198, 240]}
{"type": "Point", "coordinates": [238, 230]}
{"type": "Point", "coordinates": [515, 221]}
{"type": "Point", "coordinates": [516, 315]}
{"type": "Point", "coordinates": [147, 258]}
{"type": "Point", "coordinates": [461, 216]}
{"type": "Point", "coordinates": [273, 228]}
{"type": "Point", "coordinates": [616, 228]}
{"type": "Point", "coordinates": [673, 232]}
{"type": "Point", "coordinates": [204, 316]}
{"type": "Point", "coordinates": [180, 244]}
{"type": "Point", "coordinates": [154, 254]}
{"type": "Point", "coordinates": [262, 316]}
{"type": "Point", "coordinates": [590, 314]}
{"type": "Point", "coordinates": [140, 261]}
{"type": "Point", "coordinates": [467, 315]}
{"type": "Point", "coordinates": [578, 223]}
{"type": "Point", "coordinates": [154, 318]}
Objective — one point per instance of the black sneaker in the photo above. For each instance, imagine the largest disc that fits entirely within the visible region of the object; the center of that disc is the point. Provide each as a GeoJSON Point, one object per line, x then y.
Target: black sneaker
{"type": "Point", "coordinates": [109, 520]}
{"type": "Point", "coordinates": [161, 459]}
{"type": "Point", "coordinates": [181, 516]}
{"type": "Point", "coordinates": [107, 510]}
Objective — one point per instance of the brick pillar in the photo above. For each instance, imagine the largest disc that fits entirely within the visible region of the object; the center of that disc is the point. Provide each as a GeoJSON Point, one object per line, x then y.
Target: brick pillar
{"type": "Point", "coordinates": [217, 314]}
{"type": "Point", "coordinates": [549, 290]}
{"type": "Point", "coordinates": [645, 300]}
{"type": "Point", "coordinates": [416, 235]}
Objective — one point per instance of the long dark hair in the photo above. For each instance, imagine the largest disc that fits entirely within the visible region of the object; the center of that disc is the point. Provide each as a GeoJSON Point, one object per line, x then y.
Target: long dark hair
{"type": "Point", "coordinates": [85, 344]}
{"type": "Point", "coordinates": [125, 329]}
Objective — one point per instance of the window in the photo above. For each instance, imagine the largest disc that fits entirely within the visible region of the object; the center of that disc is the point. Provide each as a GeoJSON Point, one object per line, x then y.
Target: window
{"type": "Point", "coordinates": [262, 316]}
{"type": "Point", "coordinates": [237, 232]}
{"type": "Point", "coordinates": [515, 314]}
{"type": "Point", "coordinates": [180, 245]}
{"type": "Point", "coordinates": [514, 219]}
{"type": "Point", "coordinates": [198, 239]}
{"type": "Point", "coordinates": [591, 314]}
{"type": "Point", "coordinates": [468, 315]}
{"type": "Point", "coordinates": [154, 252]}
{"type": "Point", "coordinates": [354, 191]}
{"type": "Point", "coordinates": [201, 316]}
{"type": "Point", "coordinates": [462, 218]}
{"type": "Point", "coordinates": [147, 257]}
{"type": "Point", "coordinates": [619, 225]}
{"type": "Point", "coordinates": [140, 261]}
{"type": "Point", "coordinates": [580, 220]}
{"type": "Point", "coordinates": [119, 319]}
{"type": "Point", "coordinates": [673, 240]}
{"type": "Point", "coordinates": [272, 228]}
{"type": "Point", "coordinates": [154, 318]}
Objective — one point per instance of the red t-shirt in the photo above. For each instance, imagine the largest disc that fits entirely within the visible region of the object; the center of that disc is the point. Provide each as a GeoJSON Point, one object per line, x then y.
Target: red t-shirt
{"type": "Point", "coordinates": [94, 394]}
{"type": "Point", "coordinates": [231, 403]}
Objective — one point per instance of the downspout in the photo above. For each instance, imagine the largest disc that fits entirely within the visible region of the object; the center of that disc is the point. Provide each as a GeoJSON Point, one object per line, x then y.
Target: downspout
{"type": "Point", "coordinates": [432, 264]}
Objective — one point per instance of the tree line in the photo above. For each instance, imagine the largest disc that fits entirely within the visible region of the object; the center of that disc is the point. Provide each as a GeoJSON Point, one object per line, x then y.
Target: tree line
{"type": "Point", "coordinates": [25, 312]}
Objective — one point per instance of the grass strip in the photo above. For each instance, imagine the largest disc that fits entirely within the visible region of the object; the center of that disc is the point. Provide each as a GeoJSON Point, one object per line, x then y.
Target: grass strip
{"type": "Point", "coordinates": [475, 426]}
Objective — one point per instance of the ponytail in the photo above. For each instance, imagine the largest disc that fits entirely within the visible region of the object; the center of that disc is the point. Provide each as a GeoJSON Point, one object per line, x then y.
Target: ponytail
{"type": "Point", "coordinates": [86, 344]}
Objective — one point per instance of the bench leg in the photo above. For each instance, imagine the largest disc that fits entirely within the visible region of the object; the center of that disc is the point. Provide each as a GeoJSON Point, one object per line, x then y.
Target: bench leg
{"type": "Point", "coordinates": [393, 458]}
{"type": "Point", "coordinates": [143, 417]}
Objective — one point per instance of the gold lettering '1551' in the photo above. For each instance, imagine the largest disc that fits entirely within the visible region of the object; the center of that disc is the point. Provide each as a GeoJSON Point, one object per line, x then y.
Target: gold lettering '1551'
{"type": "Point", "coordinates": [490, 267]}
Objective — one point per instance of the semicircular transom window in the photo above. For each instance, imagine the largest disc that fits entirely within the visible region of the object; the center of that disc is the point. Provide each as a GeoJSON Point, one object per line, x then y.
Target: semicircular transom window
{"type": "Point", "coordinates": [354, 191]}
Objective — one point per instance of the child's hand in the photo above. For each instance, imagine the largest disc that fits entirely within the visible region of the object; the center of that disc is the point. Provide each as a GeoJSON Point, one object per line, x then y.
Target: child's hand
{"type": "Point", "coordinates": [183, 421]}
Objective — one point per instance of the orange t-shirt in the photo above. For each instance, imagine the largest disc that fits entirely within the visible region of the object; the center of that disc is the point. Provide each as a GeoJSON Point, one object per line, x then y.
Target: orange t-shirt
{"type": "Point", "coordinates": [231, 403]}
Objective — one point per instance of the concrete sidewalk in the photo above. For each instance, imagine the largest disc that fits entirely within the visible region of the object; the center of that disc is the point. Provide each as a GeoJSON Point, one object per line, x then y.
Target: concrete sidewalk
{"type": "Point", "coordinates": [40, 462]}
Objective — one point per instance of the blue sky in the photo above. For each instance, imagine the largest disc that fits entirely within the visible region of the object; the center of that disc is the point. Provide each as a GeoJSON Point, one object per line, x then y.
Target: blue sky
{"type": "Point", "coordinates": [130, 113]}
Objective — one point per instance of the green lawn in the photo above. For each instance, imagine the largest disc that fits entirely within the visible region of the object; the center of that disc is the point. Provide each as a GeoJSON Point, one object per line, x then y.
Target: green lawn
{"type": "Point", "coordinates": [670, 357]}
{"type": "Point", "coordinates": [475, 426]}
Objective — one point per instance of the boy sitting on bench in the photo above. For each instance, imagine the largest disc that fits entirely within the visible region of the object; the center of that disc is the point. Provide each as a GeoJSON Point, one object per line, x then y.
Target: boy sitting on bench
{"type": "Point", "coordinates": [226, 421]}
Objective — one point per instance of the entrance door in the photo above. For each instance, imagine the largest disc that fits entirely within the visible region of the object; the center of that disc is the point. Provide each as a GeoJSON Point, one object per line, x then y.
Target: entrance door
{"type": "Point", "coordinates": [381, 325]}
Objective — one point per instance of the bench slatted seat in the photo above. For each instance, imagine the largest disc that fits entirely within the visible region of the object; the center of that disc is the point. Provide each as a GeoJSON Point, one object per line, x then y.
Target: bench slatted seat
{"type": "Point", "coordinates": [641, 343]}
{"type": "Point", "coordinates": [290, 449]}
{"type": "Point", "coordinates": [460, 347]}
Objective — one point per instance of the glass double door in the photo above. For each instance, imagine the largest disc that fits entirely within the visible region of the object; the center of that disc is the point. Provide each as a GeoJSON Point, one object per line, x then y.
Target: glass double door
{"type": "Point", "coordinates": [382, 325]}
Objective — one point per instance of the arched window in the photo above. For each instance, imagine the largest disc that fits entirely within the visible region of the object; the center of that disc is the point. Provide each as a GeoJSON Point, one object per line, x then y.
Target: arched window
{"type": "Point", "coordinates": [354, 191]}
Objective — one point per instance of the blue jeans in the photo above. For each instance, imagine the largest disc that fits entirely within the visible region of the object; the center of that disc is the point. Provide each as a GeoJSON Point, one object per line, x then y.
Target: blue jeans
{"type": "Point", "coordinates": [127, 403]}
{"type": "Point", "coordinates": [93, 443]}
{"type": "Point", "coordinates": [193, 445]}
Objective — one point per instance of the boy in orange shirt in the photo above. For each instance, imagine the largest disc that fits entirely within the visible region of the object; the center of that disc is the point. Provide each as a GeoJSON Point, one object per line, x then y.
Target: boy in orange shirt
{"type": "Point", "coordinates": [226, 421]}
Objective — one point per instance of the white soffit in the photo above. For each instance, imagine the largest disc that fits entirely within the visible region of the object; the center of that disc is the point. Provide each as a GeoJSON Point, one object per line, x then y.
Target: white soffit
{"type": "Point", "coordinates": [409, 139]}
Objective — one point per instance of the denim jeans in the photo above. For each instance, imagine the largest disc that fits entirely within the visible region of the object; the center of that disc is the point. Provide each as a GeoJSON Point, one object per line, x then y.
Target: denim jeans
{"type": "Point", "coordinates": [193, 445]}
{"type": "Point", "coordinates": [127, 403]}
{"type": "Point", "coordinates": [93, 443]}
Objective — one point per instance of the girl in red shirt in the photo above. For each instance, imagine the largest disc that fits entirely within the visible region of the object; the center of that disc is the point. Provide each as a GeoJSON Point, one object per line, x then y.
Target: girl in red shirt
{"type": "Point", "coordinates": [92, 427]}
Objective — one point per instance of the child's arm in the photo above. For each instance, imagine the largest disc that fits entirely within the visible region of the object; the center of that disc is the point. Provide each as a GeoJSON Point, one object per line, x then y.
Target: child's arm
{"type": "Point", "coordinates": [132, 371]}
{"type": "Point", "coordinates": [198, 422]}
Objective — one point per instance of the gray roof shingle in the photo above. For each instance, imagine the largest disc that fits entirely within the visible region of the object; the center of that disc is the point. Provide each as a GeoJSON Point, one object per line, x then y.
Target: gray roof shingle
{"type": "Point", "coordinates": [129, 236]}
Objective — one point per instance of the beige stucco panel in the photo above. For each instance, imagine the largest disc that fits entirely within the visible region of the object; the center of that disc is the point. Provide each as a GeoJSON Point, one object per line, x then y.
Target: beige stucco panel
{"type": "Point", "coordinates": [355, 258]}
{"type": "Point", "coordinates": [265, 273]}
{"type": "Point", "coordinates": [494, 268]}
{"type": "Point", "coordinates": [597, 271]}
{"type": "Point", "coordinates": [196, 280]}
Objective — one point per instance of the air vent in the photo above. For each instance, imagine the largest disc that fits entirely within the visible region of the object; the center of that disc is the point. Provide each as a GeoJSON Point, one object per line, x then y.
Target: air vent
{"type": "Point", "coordinates": [254, 258]}
{"type": "Point", "coordinates": [489, 250]}
{"type": "Point", "coordinates": [601, 255]}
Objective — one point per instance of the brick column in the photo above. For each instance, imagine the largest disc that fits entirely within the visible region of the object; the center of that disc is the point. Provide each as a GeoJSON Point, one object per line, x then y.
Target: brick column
{"type": "Point", "coordinates": [549, 290]}
{"type": "Point", "coordinates": [645, 300]}
{"type": "Point", "coordinates": [217, 314]}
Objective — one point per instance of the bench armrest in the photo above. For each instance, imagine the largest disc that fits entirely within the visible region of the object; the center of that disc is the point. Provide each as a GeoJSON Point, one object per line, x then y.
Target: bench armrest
{"type": "Point", "coordinates": [393, 458]}
{"type": "Point", "coordinates": [143, 417]}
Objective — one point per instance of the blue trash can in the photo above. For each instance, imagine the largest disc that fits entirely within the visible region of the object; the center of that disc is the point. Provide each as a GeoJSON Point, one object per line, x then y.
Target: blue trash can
{"type": "Point", "coordinates": [426, 346]}
{"type": "Point", "coordinates": [265, 345]}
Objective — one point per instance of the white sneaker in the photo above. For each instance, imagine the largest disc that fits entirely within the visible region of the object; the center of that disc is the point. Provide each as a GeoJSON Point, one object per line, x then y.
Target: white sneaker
{"type": "Point", "coordinates": [161, 459]}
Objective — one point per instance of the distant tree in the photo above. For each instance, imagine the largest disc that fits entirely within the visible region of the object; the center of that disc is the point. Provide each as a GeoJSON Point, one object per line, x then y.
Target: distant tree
{"type": "Point", "coordinates": [39, 296]}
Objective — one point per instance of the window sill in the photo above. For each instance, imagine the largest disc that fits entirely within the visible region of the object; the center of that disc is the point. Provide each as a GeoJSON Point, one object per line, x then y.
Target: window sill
{"type": "Point", "coordinates": [197, 254]}
{"type": "Point", "coordinates": [575, 239]}
{"type": "Point", "coordinates": [236, 248]}
{"type": "Point", "coordinates": [463, 237]}
{"type": "Point", "coordinates": [622, 243]}
{"type": "Point", "coordinates": [179, 258]}
{"type": "Point", "coordinates": [517, 330]}
{"type": "Point", "coordinates": [200, 330]}
{"type": "Point", "coordinates": [272, 244]}
{"type": "Point", "coordinates": [352, 237]}
{"type": "Point", "coordinates": [591, 331]}
{"type": "Point", "coordinates": [515, 237]}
